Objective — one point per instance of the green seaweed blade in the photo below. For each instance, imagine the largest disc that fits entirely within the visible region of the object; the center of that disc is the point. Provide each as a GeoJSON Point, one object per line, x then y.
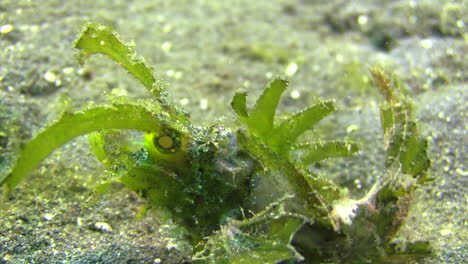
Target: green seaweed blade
{"type": "Point", "coordinates": [323, 150]}
{"type": "Point", "coordinates": [72, 125]}
{"type": "Point", "coordinates": [262, 116]}
{"type": "Point", "coordinates": [239, 104]}
{"type": "Point", "coordinates": [273, 246]}
{"type": "Point", "coordinates": [97, 38]}
{"type": "Point", "coordinates": [283, 137]}
{"type": "Point", "coordinates": [258, 240]}
{"type": "Point", "coordinates": [404, 144]}
{"type": "Point", "coordinates": [270, 145]}
{"type": "Point", "coordinates": [407, 158]}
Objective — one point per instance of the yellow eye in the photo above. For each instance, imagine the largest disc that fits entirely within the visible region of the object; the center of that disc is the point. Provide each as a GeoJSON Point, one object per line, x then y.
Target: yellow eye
{"type": "Point", "coordinates": [165, 142]}
{"type": "Point", "coordinates": [168, 141]}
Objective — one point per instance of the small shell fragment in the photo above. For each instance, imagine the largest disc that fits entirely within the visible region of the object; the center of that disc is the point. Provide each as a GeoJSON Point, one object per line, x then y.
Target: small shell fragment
{"type": "Point", "coordinates": [291, 69]}
{"type": "Point", "coordinates": [5, 29]}
{"type": "Point", "coordinates": [102, 227]}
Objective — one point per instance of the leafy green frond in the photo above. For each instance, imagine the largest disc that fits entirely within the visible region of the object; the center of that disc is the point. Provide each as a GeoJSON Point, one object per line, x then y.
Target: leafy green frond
{"type": "Point", "coordinates": [313, 191]}
{"type": "Point", "coordinates": [262, 115]}
{"type": "Point", "coordinates": [406, 147]}
{"type": "Point", "coordinates": [317, 151]}
{"type": "Point", "coordinates": [113, 147]}
{"type": "Point", "coordinates": [239, 104]}
{"type": "Point", "coordinates": [262, 238]}
{"type": "Point", "coordinates": [76, 124]}
{"type": "Point", "coordinates": [387, 122]}
{"type": "Point", "coordinates": [400, 130]}
{"type": "Point", "coordinates": [260, 120]}
{"type": "Point", "coordinates": [316, 193]}
{"type": "Point", "coordinates": [273, 246]}
{"type": "Point", "coordinates": [283, 137]}
{"type": "Point", "coordinates": [407, 159]}
{"type": "Point", "coordinates": [97, 38]}
{"type": "Point", "coordinates": [97, 143]}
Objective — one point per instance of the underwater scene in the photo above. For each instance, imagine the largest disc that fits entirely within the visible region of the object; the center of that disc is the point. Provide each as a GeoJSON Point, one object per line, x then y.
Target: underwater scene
{"type": "Point", "coordinates": [233, 132]}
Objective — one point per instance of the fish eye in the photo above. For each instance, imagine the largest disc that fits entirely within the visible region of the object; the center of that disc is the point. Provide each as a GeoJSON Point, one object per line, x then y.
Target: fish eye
{"type": "Point", "coordinates": [165, 142]}
{"type": "Point", "coordinates": [168, 141]}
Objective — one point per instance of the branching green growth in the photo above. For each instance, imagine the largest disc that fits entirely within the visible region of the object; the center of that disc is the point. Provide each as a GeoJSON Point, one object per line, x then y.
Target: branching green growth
{"type": "Point", "coordinates": [236, 190]}
{"type": "Point", "coordinates": [405, 149]}
{"type": "Point", "coordinates": [260, 120]}
{"type": "Point", "coordinates": [400, 131]}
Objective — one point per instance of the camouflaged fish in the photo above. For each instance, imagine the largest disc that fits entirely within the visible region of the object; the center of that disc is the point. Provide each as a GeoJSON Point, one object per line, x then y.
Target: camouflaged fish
{"type": "Point", "coordinates": [236, 189]}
